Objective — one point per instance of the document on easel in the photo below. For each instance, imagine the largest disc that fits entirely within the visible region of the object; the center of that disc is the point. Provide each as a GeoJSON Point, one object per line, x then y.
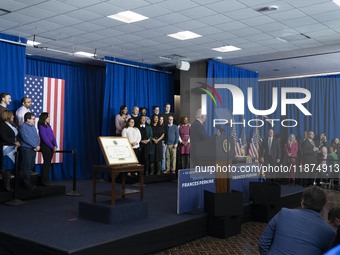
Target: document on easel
{"type": "Point", "coordinates": [117, 150]}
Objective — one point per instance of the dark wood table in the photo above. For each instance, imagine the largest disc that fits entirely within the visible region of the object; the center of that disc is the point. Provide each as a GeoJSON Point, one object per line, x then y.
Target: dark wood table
{"type": "Point", "coordinates": [115, 171]}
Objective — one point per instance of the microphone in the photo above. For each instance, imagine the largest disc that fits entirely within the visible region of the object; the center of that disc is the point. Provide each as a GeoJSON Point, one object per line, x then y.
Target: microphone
{"type": "Point", "coordinates": [220, 128]}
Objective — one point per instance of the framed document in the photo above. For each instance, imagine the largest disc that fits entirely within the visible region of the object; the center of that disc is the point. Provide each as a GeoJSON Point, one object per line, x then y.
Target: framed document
{"type": "Point", "coordinates": [117, 150]}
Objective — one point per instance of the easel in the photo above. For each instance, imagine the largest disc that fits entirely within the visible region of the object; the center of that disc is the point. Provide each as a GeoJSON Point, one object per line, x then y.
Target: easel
{"type": "Point", "coordinates": [114, 171]}
{"type": "Point", "coordinates": [120, 158]}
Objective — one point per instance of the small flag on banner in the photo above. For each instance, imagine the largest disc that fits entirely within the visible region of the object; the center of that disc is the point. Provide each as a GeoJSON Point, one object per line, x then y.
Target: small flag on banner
{"type": "Point", "coordinates": [47, 95]}
{"type": "Point", "coordinates": [254, 143]}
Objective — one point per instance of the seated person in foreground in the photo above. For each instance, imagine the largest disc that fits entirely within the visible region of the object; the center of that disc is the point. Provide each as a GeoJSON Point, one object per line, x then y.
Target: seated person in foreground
{"type": "Point", "coordinates": [299, 231]}
{"type": "Point", "coordinates": [334, 220]}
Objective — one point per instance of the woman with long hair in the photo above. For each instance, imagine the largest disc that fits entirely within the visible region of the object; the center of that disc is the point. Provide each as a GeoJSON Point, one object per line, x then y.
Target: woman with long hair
{"type": "Point", "coordinates": [184, 142]}
{"type": "Point", "coordinates": [156, 154]}
{"type": "Point", "coordinates": [48, 145]}
{"type": "Point", "coordinates": [121, 119]}
{"type": "Point", "coordinates": [291, 153]}
{"type": "Point", "coordinates": [9, 142]}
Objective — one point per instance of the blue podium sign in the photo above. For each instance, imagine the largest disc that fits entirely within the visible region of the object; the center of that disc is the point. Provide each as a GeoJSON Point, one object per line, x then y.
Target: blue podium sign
{"type": "Point", "coordinates": [191, 186]}
{"type": "Point", "coordinates": [190, 190]}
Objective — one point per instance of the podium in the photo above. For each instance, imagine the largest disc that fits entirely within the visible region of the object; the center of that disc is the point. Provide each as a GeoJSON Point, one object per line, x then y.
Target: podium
{"type": "Point", "coordinates": [224, 208]}
{"type": "Point", "coordinates": [217, 151]}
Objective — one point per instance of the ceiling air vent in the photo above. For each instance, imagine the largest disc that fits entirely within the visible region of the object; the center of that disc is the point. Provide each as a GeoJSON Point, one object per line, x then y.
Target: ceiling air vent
{"type": "Point", "coordinates": [294, 37]}
{"type": "Point", "coordinates": [268, 8]}
{"type": "Point", "coordinates": [172, 57]}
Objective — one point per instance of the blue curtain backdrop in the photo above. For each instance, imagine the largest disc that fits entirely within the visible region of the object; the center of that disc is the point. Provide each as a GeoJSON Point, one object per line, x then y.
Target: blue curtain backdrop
{"type": "Point", "coordinates": [84, 88]}
{"type": "Point", "coordinates": [126, 85]}
{"type": "Point", "coordinates": [324, 105]}
{"type": "Point", "coordinates": [12, 68]}
{"type": "Point", "coordinates": [220, 73]}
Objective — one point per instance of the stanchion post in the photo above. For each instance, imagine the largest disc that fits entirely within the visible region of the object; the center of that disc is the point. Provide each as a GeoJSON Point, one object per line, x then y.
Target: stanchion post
{"type": "Point", "coordinates": [15, 200]}
{"type": "Point", "coordinates": [74, 191]}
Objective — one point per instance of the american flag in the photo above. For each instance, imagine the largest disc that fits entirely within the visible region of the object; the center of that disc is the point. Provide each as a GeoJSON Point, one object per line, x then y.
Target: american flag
{"type": "Point", "coordinates": [47, 95]}
{"type": "Point", "coordinates": [254, 143]}
{"type": "Point", "coordinates": [236, 142]}
{"type": "Point", "coordinates": [243, 143]}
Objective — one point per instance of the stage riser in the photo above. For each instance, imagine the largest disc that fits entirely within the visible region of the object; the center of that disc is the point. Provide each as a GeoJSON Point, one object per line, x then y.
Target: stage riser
{"type": "Point", "coordinates": [153, 241]}
{"type": "Point", "coordinates": [263, 213]}
{"type": "Point", "coordinates": [264, 193]}
{"type": "Point", "coordinates": [224, 227]}
{"type": "Point", "coordinates": [38, 192]}
{"type": "Point", "coordinates": [145, 241]}
{"type": "Point", "coordinates": [18, 246]}
{"type": "Point", "coordinates": [123, 211]}
{"type": "Point", "coordinates": [223, 204]}
{"type": "Point", "coordinates": [291, 201]}
{"type": "Point", "coordinates": [266, 201]}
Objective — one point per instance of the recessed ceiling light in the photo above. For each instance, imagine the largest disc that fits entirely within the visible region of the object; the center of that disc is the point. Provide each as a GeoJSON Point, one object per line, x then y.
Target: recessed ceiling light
{"type": "Point", "coordinates": [337, 2]}
{"type": "Point", "coordinates": [280, 39]}
{"type": "Point", "coordinates": [184, 35]}
{"type": "Point", "coordinates": [85, 54]}
{"type": "Point", "coordinates": [32, 43]}
{"type": "Point", "coordinates": [226, 48]}
{"type": "Point", "coordinates": [128, 17]}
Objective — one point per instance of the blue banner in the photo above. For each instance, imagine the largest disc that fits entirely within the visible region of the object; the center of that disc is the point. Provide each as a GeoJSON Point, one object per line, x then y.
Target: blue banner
{"type": "Point", "coordinates": [190, 191]}
{"type": "Point", "coordinates": [191, 186]}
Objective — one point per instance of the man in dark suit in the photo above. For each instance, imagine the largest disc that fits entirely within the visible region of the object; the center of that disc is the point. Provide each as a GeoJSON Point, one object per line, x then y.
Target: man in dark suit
{"type": "Point", "coordinates": [197, 134]}
{"type": "Point", "coordinates": [299, 231]}
{"type": "Point", "coordinates": [309, 158]}
{"type": "Point", "coordinates": [270, 151]}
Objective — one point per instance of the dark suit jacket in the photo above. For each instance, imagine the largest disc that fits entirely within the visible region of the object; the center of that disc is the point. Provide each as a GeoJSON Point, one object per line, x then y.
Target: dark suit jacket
{"type": "Point", "coordinates": [309, 156]}
{"type": "Point", "coordinates": [7, 136]}
{"type": "Point", "coordinates": [296, 231]}
{"type": "Point", "coordinates": [275, 151]}
{"type": "Point", "coordinates": [197, 134]}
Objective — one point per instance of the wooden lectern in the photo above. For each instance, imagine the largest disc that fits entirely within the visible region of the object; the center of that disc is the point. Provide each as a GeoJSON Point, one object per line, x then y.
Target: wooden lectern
{"type": "Point", "coordinates": [217, 151]}
{"type": "Point", "coordinates": [224, 208]}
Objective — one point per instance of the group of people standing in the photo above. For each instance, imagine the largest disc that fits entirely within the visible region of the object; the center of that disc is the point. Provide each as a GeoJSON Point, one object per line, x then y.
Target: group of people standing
{"type": "Point", "coordinates": [157, 139]}
{"type": "Point", "coordinates": [19, 133]}
{"type": "Point", "coordinates": [307, 152]}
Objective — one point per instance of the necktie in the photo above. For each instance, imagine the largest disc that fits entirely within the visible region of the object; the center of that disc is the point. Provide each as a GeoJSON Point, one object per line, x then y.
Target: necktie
{"type": "Point", "coordinates": [270, 146]}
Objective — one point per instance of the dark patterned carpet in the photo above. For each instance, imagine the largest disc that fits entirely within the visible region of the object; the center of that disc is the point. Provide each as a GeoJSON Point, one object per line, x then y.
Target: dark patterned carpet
{"type": "Point", "coordinates": [242, 244]}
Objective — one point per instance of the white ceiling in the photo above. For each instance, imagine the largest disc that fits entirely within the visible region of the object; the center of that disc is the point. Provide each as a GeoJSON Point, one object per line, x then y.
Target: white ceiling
{"type": "Point", "coordinates": [82, 25]}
